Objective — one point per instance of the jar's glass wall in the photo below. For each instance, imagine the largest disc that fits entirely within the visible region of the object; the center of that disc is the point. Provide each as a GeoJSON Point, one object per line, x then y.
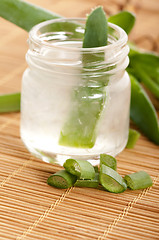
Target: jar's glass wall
{"type": "Point", "coordinates": [75, 102]}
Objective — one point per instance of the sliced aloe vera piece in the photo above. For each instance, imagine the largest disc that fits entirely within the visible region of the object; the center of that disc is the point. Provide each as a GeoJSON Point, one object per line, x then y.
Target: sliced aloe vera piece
{"type": "Point", "coordinates": [90, 183]}
{"type": "Point", "coordinates": [81, 168]}
{"type": "Point", "coordinates": [96, 169]}
{"type": "Point", "coordinates": [111, 180]}
{"type": "Point", "coordinates": [138, 180]}
{"type": "Point", "coordinates": [108, 161]}
{"type": "Point", "coordinates": [132, 139]}
{"type": "Point", "coordinates": [61, 179]}
{"type": "Point", "coordinates": [10, 103]}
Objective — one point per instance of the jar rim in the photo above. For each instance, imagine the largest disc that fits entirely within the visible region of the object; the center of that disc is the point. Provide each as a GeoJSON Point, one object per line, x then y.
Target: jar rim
{"type": "Point", "coordinates": [118, 43]}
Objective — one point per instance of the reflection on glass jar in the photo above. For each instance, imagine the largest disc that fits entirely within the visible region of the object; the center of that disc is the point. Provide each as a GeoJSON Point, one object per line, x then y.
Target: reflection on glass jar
{"type": "Point", "coordinates": [75, 101]}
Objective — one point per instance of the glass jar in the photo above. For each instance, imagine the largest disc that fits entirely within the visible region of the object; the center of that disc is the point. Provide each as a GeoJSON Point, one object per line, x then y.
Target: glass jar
{"type": "Point", "coordinates": [75, 101]}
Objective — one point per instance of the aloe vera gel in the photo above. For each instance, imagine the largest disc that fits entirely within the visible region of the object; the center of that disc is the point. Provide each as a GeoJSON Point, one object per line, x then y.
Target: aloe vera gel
{"type": "Point", "coordinates": [75, 100]}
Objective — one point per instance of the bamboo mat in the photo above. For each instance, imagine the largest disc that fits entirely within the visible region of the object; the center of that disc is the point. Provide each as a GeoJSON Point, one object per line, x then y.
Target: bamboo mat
{"type": "Point", "coordinates": [29, 208]}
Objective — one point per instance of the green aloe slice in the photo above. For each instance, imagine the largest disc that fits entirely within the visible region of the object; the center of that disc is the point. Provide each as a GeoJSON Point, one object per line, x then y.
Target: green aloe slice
{"type": "Point", "coordinates": [108, 160]}
{"type": "Point", "coordinates": [10, 102]}
{"type": "Point", "coordinates": [111, 180]}
{"type": "Point", "coordinates": [80, 168]}
{"type": "Point", "coordinates": [90, 183]}
{"type": "Point", "coordinates": [96, 169]}
{"type": "Point", "coordinates": [61, 179]}
{"type": "Point", "coordinates": [138, 180]}
{"type": "Point", "coordinates": [132, 139]}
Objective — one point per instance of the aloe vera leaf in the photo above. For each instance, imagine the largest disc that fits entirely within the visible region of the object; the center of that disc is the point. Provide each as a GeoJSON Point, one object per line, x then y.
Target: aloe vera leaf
{"type": "Point", "coordinates": [111, 180]}
{"type": "Point", "coordinates": [132, 139]}
{"type": "Point", "coordinates": [142, 75]}
{"type": "Point", "coordinates": [123, 19]}
{"type": "Point", "coordinates": [24, 14]}
{"type": "Point", "coordinates": [149, 59]}
{"type": "Point", "coordinates": [80, 168]}
{"type": "Point", "coordinates": [90, 183]}
{"type": "Point", "coordinates": [96, 169]}
{"type": "Point", "coordinates": [27, 15]}
{"type": "Point", "coordinates": [61, 179]}
{"type": "Point", "coordinates": [108, 161]}
{"type": "Point", "coordinates": [95, 29]}
{"type": "Point", "coordinates": [10, 102]}
{"type": "Point", "coordinates": [138, 180]}
{"type": "Point", "coordinates": [145, 67]}
{"type": "Point", "coordinates": [79, 130]}
{"type": "Point", "coordinates": [142, 111]}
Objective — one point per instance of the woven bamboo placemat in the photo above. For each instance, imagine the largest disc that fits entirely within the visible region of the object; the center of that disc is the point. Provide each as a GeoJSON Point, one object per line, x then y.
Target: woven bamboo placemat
{"type": "Point", "coordinates": [29, 208]}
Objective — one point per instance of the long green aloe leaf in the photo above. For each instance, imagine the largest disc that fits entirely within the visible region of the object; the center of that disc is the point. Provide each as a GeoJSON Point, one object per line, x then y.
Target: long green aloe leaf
{"type": "Point", "coordinates": [145, 67]}
{"type": "Point", "coordinates": [142, 112]}
{"type": "Point", "coordinates": [80, 127]}
{"type": "Point", "coordinates": [24, 14]}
